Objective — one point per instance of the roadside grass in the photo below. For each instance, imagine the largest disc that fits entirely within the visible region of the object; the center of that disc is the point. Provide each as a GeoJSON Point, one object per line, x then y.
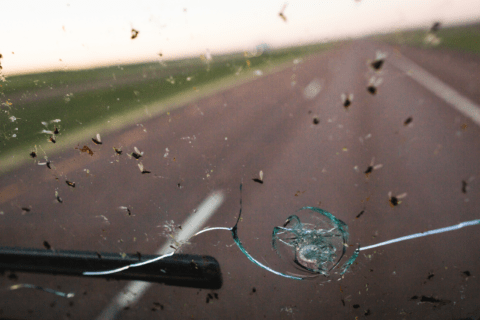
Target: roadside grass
{"type": "Point", "coordinates": [464, 38]}
{"type": "Point", "coordinates": [95, 98]}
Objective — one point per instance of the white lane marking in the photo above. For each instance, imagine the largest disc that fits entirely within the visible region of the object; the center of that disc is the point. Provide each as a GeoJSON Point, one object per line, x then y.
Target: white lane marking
{"type": "Point", "coordinates": [135, 289]}
{"type": "Point", "coordinates": [459, 102]}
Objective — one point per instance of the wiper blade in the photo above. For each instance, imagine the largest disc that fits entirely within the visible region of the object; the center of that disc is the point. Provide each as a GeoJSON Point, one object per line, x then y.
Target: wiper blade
{"type": "Point", "coordinates": [184, 270]}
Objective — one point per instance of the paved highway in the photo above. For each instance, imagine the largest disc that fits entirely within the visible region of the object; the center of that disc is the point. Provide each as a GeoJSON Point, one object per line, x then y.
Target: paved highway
{"type": "Point", "coordinates": [218, 142]}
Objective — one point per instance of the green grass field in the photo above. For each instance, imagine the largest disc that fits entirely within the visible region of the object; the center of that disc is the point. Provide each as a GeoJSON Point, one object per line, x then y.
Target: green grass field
{"type": "Point", "coordinates": [89, 98]}
{"type": "Point", "coordinates": [464, 38]}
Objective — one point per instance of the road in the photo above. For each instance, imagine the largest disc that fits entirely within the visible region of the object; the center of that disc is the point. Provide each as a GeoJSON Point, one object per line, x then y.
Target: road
{"type": "Point", "coordinates": [267, 124]}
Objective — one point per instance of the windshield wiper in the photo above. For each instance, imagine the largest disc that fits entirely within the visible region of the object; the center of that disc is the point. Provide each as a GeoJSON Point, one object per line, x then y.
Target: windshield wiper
{"type": "Point", "coordinates": [178, 270]}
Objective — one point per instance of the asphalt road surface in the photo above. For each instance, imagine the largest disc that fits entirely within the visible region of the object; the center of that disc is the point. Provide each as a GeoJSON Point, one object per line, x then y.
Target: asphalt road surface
{"type": "Point", "coordinates": [218, 142]}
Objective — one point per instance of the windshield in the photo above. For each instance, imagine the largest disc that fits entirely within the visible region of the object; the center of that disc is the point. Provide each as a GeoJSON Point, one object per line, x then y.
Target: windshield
{"type": "Point", "coordinates": [248, 160]}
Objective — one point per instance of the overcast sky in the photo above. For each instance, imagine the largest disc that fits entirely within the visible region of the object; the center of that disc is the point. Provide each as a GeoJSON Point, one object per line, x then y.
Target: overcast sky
{"type": "Point", "coordinates": [40, 35]}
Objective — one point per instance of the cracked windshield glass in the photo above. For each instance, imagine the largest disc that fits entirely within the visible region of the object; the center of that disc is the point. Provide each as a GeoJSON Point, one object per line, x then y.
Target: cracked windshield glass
{"type": "Point", "coordinates": [250, 160]}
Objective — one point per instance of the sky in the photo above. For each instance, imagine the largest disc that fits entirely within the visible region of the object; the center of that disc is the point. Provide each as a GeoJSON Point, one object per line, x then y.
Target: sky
{"type": "Point", "coordinates": [67, 35]}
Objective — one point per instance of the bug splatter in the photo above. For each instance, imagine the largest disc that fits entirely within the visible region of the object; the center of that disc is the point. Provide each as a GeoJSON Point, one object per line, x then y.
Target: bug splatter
{"type": "Point", "coordinates": [47, 245]}
{"type": "Point", "coordinates": [435, 27]}
{"type": "Point", "coordinates": [85, 149]}
{"type": "Point", "coordinates": [395, 200]}
{"type": "Point", "coordinates": [379, 60]}
{"type": "Point", "coordinates": [97, 140]}
{"type": "Point", "coordinates": [134, 33]}
{"type": "Point", "coordinates": [142, 169]}
{"type": "Point", "coordinates": [408, 121]}
{"type": "Point", "coordinates": [57, 197]}
{"type": "Point", "coordinates": [46, 163]}
{"type": "Point", "coordinates": [260, 177]}
{"type": "Point", "coordinates": [281, 13]}
{"type": "Point", "coordinates": [26, 209]}
{"type": "Point", "coordinates": [373, 84]}
{"type": "Point", "coordinates": [126, 209]}
{"type": "Point", "coordinates": [33, 154]}
{"type": "Point", "coordinates": [136, 154]}
{"type": "Point", "coordinates": [346, 100]}
{"type": "Point", "coordinates": [372, 167]}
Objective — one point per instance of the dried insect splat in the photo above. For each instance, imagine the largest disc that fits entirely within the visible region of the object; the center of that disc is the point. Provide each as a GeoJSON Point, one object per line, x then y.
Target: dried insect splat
{"type": "Point", "coordinates": [34, 152]}
{"type": "Point", "coordinates": [260, 177]}
{"type": "Point", "coordinates": [85, 149]}
{"type": "Point", "coordinates": [46, 131]}
{"type": "Point", "coordinates": [281, 14]}
{"type": "Point", "coordinates": [32, 286]}
{"type": "Point", "coordinates": [47, 163]}
{"type": "Point", "coordinates": [395, 200]}
{"type": "Point", "coordinates": [139, 124]}
{"type": "Point", "coordinates": [105, 219]}
{"type": "Point", "coordinates": [57, 197]}
{"type": "Point", "coordinates": [136, 154]}
{"type": "Point", "coordinates": [372, 167]}
{"type": "Point", "coordinates": [360, 214]}
{"type": "Point", "coordinates": [298, 193]}
{"type": "Point", "coordinates": [435, 27]}
{"type": "Point", "coordinates": [52, 137]}
{"type": "Point", "coordinates": [373, 84]}
{"type": "Point", "coordinates": [465, 183]}
{"type": "Point", "coordinates": [134, 33]}
{"type": "Point", "coordinates": [379, 60]}
{"type": "Point", "coordinates": [47, 245]}
{"type": "Point", "coordinates": [346, 100]}
{"type": "Point", "coordinates": [97, 140]}
{"type": "Point", "coordinates": [125, 209]}
{"type": "Point", "coordinates": [142, 169]}
{"type": "Point", "coordinates": [431, 37]}
{"type": "Point", "coordinates": [56, 129]}
{"type": "Point", "coordinates": [26, 209]}
{"type": "Point", "coordinates": [367, 136]}
{"type": "Point", "coordinates": [408, 121]}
